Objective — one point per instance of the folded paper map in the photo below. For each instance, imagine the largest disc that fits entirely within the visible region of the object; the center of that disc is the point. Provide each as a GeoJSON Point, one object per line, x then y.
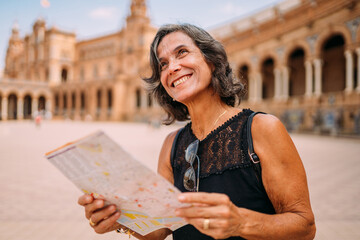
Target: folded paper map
{"type": "Point", "coordinates": [99, 166]}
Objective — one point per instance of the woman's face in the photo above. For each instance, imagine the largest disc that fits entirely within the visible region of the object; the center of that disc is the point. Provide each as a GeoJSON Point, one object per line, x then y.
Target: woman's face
{"type": "Point", "coordinates": [184, 72]}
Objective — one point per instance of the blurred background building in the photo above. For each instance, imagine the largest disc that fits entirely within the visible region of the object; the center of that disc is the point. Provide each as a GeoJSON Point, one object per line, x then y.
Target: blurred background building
{"type": "Point", "coordinates": [299, 60]}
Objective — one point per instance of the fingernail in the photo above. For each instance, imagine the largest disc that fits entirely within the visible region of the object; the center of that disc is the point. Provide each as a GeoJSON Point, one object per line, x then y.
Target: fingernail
{"type": "Point", "coordinates": [112, 208]}
{"type": "Point", "coordinates": [181, 197]}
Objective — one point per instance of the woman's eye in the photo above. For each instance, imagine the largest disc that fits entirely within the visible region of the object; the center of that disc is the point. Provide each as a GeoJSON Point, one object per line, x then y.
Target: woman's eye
{"type": "Point", "coordinates": [163, 65]}
{"type": "Point", "coordinates": [182, 51]}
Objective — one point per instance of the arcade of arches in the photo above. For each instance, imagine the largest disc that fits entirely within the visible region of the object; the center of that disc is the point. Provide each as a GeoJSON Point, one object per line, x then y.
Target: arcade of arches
{"type": "Point", "coordinates": [302, 77]}
{"type": "Point", "coordinates": [19, 102]}
{"type": "Point", "coordinates": [303, 88]}
{"type": "Point", "coordinates": [299, 60]}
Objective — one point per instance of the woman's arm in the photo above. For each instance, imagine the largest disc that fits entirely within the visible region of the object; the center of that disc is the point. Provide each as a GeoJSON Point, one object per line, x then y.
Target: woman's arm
{"type": "Point", "coordinates": [164, 164]}
{"type": "Point", "coordinates": [285, 182]}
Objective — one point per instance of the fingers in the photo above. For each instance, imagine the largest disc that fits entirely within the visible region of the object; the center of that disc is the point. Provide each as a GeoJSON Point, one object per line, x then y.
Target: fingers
{"type": "Point", "coordinates": [85, 199]}
{"type": "Point", "coordinates": [90, 208]}
{"type": "Point", "coordinates": [219, 211]}
{"type": "Point", "coordinates": [104, 213]}
{"type": "Point", "coordinates": [107, 223]}
{"type": "Point", "coordinates": [204, 198]}
{"type": "Point", "coordinates": [205, 205]}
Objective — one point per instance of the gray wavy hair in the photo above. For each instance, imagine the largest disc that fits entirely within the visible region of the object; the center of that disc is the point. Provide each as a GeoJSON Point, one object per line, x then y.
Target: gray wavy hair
{"type": "Point", "coordinates": [223, 80]}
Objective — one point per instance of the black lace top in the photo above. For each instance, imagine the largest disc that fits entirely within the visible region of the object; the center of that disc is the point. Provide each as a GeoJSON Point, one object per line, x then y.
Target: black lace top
{"type": "Point", "coordinates": [225, 167]}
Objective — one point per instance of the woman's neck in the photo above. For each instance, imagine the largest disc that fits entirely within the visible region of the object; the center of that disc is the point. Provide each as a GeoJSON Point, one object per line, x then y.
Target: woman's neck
{"type": "Point", "coordinates": [207, 114]}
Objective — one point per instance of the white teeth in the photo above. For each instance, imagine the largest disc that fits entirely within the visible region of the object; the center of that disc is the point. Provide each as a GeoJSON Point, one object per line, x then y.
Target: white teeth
{"type": "Point", "coordinates": [181, 80]}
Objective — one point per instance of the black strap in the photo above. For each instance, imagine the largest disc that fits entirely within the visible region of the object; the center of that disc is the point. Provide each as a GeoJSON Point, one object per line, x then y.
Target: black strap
{"type": "Point", "coordinates": [253, 156]}
{"type": "Point", "coordinates": [173, 147]}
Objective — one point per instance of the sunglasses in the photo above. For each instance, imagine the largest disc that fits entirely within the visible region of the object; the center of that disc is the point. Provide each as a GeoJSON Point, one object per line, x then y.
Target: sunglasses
{"type": "Point", "coordinates": [191, 182]}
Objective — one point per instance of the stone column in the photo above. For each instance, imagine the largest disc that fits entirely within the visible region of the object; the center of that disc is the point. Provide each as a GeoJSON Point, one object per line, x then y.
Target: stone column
{"type": "Point", "coordinates": [358, 70]}
{"type": "Point", "coordinates": [69, 102]}
{"type": "Point", "coordinates": [285, 78]}
{"type": "Point", "coordinates": [48, 107]}
{"type": "Point", "coordinates": [143, 99]}
{"type": "Point", "coordinates": [92, 100]}
{"type": "Point", "coordinates": [34, 106]}
{"type": "Point", "coordinates": [278, 84]}
{"type": "Point", "coordinates": [349, 71]}
{"type": "Point", "coordinates": [20, 108]}
{"type": "Point", "coordinates": [308, 79]}
{"type": "Point", "coordinates": [4, 108]}
{"type": "Point", "coordinates": [259, 83]}
{"type": "Point", "coordinates": [61, 103]}
{"type": "Point", "coordinates": [252, 88]}
{"type": "Point", "coordinates": [77, 104]}
{"type": "Point", "coordinates": [318, 76]}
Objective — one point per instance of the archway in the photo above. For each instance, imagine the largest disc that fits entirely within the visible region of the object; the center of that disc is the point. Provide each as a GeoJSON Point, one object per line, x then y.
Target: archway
{"type": "Point", "coordinates": [65, 103]}
{"type": "Point", "coordinates": [64, 75]}
{"type": "Point", "coordinates": [149, 101]}
{"type": "Point", "coordinates": [98, 102]}
{"type": "Point", "coordinates": [268, 78]}
{"type": "Point", "coordinates": [244, 79]}
{"type": "Point", "coordinates": [56, 103]}
{"type": "Point", "coordinates": [138, 98]}
{"type": "Point", "coordinates": [42, 102]}
{"type": "Point", "coordinates": [27, 107]}
{"type": "Point", "coordinates": [82, 102]}
{"type": "Point", "coordinates": [12, 107]}
{"type": "Point", "coordinates": [333, 64]}
{"type": "Point", "coordinates": [73, 102]}
{"type": "Point", "coordinates": [109, 101]}
{"type": "Point", "coordinates": [296, 66]}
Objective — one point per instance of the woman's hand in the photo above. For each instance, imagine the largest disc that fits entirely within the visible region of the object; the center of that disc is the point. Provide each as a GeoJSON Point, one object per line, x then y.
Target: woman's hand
{"type": "Point", "coordinates": [211, 213]}
{"type": "Point", "coordinates": [102, 219]}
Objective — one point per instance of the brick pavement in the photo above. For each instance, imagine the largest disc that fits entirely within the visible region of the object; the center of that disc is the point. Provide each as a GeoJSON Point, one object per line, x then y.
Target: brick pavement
{"type": "Point", "coordinates": [37, 202]}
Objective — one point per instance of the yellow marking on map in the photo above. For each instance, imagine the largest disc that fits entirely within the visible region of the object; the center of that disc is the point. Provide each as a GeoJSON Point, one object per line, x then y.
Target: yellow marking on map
{"type": "Point", "coordinates": [156, 223]}
{"type": "Point", "coordinates": [129, 215]}
{"type": "Point", "coordinates": [134, 215]}
{"type": "Point", "coordinates": [90, 179]}
{"type": "Point", "coordinates": [138, 226]}
{"type": "Point", "coordinates": [85, 191]}
{"type": "Point", "coordinates": [91, 147]}
{"type": "Point", "coordinates": [145, 224]}
{"type": "Point", "coordinates": [106, 173]}
{"type": "Point", "coordinates": [97, 164]}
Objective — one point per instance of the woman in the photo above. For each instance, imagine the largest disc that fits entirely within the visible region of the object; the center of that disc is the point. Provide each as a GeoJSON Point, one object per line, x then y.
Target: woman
{"type": "Point", "coordinates": [192, 79]}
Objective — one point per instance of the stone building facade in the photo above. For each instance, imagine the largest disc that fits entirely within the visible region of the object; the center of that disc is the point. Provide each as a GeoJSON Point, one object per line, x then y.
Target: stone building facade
{"type": "Point", "coordinates": [99, 78]}
{"type": "Point", "coordinates": [299, 60]}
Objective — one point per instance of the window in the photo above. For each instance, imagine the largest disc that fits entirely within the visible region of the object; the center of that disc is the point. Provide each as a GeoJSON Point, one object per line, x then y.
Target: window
{"type": "Point", "coordinates": [64, 75]}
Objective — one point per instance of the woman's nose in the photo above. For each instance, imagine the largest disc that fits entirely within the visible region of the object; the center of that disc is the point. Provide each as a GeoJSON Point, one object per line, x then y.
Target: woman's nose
{"type": "Point", "coordinates": [174, 67]}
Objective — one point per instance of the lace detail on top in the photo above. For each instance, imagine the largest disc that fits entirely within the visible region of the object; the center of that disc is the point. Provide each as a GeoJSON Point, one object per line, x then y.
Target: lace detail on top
{"type": "Point", "coordinates": [224, 148]}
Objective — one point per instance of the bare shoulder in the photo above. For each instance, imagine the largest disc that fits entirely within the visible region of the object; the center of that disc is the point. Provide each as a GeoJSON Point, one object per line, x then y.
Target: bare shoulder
{"type": "Point", "coordinates": [267, 129]}
{"type": "Point", "coordinates": [164, 164]}
{"type": "Point", "coordinates": [267, 123]}
{"type": "Point", "coordinates": [273, 144]}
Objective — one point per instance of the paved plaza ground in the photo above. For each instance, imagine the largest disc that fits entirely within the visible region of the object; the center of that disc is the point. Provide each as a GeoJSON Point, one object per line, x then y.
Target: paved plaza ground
{"type": "Point", "coordinates": [37, 202]}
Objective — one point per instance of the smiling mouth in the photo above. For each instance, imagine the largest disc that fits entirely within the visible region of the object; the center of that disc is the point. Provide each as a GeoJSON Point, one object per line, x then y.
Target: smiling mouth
{"type": "Point", "coordinates": [181, 80]}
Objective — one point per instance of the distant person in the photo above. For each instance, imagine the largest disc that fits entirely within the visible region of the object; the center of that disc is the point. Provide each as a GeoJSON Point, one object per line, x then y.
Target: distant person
{"type": "Point", "coordinates": [38, 120]}
{"type": "Point", "coordinates": [191, 79]}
